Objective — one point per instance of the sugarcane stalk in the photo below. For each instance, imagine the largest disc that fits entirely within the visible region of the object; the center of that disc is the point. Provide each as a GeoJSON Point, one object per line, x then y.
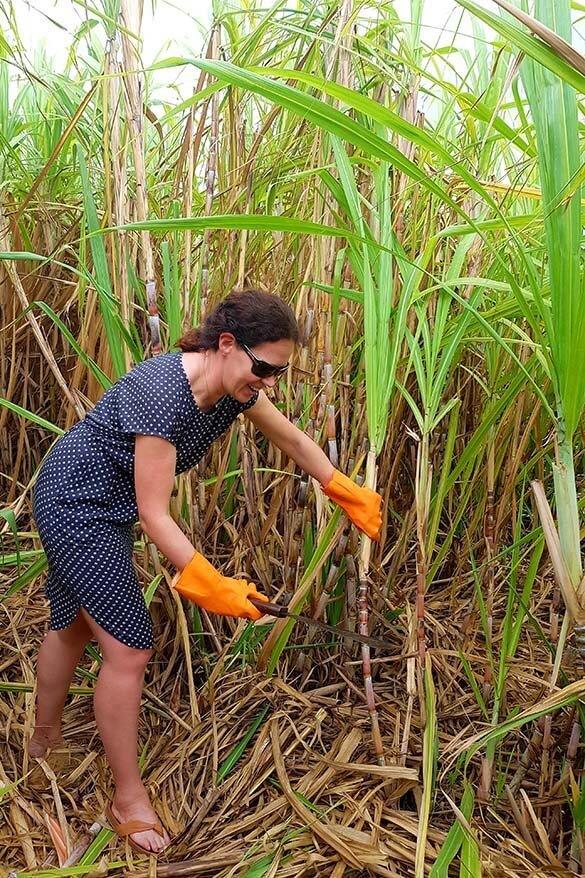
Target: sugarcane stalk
{"type": "Point", "coordinates": [253, 504]}
{"type": "Point", "coordinates": [402, 184]}
{"type": "Point", "coordinates": [528, 756]}
{"type": "Point", "coordinates": [304, 364]}
{"type": "Point", "coordinates": [204, 274]}
{"type": "Point", "coordinates": [489, 537]}
{"type": "Point", "coordinates": [346, 410]}
{"type": "Point", "coordinates": [565, 549]}
{"type": "Point", "coordinates": [12, 273]}
{"type": "Point", "coordinates": [244, 233]}
{"type": "Point", "coordinates": [425, 685]}
{"type": "Point", "coordinates": [116, 201]}
{"type": "Point", "coordinates": [338, 68]}
{"type": "Point", "coordinates": [567, 581]}
{"type": "Point", "coordinates": [328, 398]}
{"type": "Point", "coordinates": [190, 150]}
{"type": "Point", "coordinates": [423, 484]}
{"type": "Point", "coordinates": [81, 845]}
{"type": "Point", "coordinates": [546, 744]}
{"type": "Point", "coordinates": [545, 757]}
{"type": "Point", "coordinates": [210, 178]}
{"type": "Point", "coordinates": [196, 866]}
{"type": "Point", "coordinates": [575, 610]}
{"type": "Point", "coordinates": [363, 567]}
{"type": "Point", "coordinates": [188, 206]}
{"type": "Point", "coordinates": [351, 591]}
{"type": "Point", "coordinates": [130, 17]}
{"type": "Point", "coordinates": [318, 363]}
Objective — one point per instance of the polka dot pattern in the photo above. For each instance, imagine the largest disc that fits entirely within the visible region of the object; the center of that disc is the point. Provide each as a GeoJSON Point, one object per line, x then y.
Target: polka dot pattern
{"type": "Point", "coordinates": [84, 502]}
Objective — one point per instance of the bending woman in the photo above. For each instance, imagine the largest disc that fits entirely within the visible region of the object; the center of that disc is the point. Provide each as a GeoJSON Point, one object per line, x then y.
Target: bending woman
{"type": "Point", "coordinates": [118, 466]}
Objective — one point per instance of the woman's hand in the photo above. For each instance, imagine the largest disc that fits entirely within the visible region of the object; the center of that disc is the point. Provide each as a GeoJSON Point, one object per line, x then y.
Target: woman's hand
{"type": "Point", "coordinates": [361, 504]}
{"type": "Point", "coordinates": [204, 585]}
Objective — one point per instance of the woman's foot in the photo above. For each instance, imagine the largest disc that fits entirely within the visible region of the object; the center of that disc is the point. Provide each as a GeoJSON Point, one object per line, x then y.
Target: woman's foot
{"type": "Point", "coordinates": [141, 809]}
{"type": "Point", "coordinates": [42, 740]}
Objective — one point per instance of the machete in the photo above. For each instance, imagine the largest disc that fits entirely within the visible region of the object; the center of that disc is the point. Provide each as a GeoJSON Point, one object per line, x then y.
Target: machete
{"type": "Point", "coordinates": [281, 612]}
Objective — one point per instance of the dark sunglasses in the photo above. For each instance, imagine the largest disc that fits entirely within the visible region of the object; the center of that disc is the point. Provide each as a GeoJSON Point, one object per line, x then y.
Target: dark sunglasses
{"type": "Point", "coordinates": [261, 368]}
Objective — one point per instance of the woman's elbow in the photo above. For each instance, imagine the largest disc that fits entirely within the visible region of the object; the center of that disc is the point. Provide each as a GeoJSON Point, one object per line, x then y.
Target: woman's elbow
{"type": "Point", "coordinates": [150, 523]}
{"type": "Point", "coordinates": [144, 524]}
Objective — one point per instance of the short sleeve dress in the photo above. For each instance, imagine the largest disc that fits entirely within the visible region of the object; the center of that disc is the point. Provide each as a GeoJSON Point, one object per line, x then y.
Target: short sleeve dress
{"type": "Point", "coordinates": [84, 501]}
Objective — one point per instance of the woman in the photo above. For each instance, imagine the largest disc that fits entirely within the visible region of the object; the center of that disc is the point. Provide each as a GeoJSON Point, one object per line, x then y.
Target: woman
{"type": "Point", "coordinates": [118, 466]}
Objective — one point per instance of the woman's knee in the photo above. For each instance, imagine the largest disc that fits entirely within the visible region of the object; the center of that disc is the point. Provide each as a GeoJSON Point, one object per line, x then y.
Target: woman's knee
{"type": "Point", "coordinates": [123, 657]}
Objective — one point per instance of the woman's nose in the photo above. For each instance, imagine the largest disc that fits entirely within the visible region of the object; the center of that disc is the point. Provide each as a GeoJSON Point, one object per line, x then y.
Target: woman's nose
{"type": "Point", "coordinates": [270, 381]}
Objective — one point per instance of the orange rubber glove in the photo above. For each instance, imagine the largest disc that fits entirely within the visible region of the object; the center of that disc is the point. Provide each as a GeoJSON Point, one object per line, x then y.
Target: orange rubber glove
{"type": "Point", "coordinates": [204, 585]}
{"type": "Point", "coordinates": [361, 504]}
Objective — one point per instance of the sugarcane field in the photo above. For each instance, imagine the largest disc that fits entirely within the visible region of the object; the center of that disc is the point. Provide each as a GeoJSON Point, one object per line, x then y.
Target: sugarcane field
{"type": "Point", "coordinates": [292, 393]}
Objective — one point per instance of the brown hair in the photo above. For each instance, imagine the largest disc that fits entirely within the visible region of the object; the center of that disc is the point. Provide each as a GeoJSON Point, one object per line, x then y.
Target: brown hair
{"type": "Point", "coordinates": [252, 316]}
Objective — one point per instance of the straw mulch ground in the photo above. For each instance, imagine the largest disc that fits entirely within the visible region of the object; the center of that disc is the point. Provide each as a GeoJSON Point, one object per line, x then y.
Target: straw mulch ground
{"type": "Point", "coordinates": [305, 797]}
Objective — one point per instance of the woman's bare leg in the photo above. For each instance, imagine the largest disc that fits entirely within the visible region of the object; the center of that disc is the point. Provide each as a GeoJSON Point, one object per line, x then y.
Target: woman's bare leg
{"type": "Point", "coordinates": [117, 705]}
{"type": "Point", "coordinates": [58, 657]}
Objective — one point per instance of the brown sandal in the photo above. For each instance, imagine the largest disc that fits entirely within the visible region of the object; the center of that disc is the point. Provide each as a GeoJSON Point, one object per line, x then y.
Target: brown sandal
{"type": "Point", "coordinates": [124, 830]}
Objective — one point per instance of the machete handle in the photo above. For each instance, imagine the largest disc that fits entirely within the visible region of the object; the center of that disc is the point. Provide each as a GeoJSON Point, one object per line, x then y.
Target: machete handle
{"type": "Point", "coordinates": [269, 609]}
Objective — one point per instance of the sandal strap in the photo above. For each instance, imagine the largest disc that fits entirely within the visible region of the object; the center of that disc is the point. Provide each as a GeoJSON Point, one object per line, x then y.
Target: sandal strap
{"type": "Point", "coordinates": [132, 826]}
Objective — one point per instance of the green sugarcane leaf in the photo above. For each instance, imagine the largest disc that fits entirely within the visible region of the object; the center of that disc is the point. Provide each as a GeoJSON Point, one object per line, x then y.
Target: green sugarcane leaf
{"type": "Point", "coordinates": [100, 261]}
{"type": "Point", "coordinates": [323, 548]}
{"type": "Point", "coordinates": [554, 109]}
{"type": "Point", "coordinates": [151, 589]}
{"type": "Point", "coordinates": [430, 754]}
{"type": "Point", "coordinates": [30, 416]}
{"type": "Point", "coordinates": [470, 866]}
{"type": "Point", "coordinates": [8, 559]}
{"type": "Point", "coordinates": [80, 869]}
{"type": "Point", "coordinates": [557, 701]}
{"type": "Point", "coordinates": [93, 367]}
{"type": "Point", "coordinates": [454, 840]}
{"type": "Point", "coordinates": [236, 754]}
{"type": "Point", "coordinates": [254, 222]}
{"type": "Point", "coordinates": [9, 516]}
{"type": "Point", "coordinates": [473, 683]}
{"type": "Point", "coordinates": [529, 45]}
{"type": "Point", "coordinates": [98, 845]}
{"type": "Point", "coordinates": [31, 572]}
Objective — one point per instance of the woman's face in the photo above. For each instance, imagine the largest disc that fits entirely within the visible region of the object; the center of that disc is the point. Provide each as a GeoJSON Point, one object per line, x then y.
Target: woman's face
{"type": "Point", "coordinates": [238, 378]}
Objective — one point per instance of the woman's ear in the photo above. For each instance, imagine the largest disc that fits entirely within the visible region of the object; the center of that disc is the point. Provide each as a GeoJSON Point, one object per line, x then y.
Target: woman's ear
{"type": "Point", "coordinates": [226, 342]}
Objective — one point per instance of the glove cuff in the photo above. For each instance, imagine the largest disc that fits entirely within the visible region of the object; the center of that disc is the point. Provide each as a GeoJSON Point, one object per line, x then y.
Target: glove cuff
{"type": "Point", "coordinates": [339, 487]}
{"type": "Point", "coordinates": [199, 570]}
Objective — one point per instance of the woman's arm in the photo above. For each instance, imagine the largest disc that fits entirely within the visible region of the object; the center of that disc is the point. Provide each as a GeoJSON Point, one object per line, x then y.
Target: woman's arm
{"type": "Point", "coordinates": [197, 580]}
{"type": "Point", "coordinates": [154, 476]}
{"type": "Point", "coordinates": [361, 504]}
{"type": "Point", "coordinates": [290, 439]}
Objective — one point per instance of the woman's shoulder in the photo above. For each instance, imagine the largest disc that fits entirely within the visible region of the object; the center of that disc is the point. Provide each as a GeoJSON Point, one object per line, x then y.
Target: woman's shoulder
{"type": "Point", "coordinates": [150, 398]}
{"type": "Point", "coordinates": [156, 379]}
{"type": "Point", "coordinates": [160, 372]}
{"type": "Point", "coordinates": [160, 363]}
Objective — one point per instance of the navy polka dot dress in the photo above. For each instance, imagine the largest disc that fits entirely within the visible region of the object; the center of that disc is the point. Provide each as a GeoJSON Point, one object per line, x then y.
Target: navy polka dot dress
{"type": "Point", "coordinates": [84, 502]}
